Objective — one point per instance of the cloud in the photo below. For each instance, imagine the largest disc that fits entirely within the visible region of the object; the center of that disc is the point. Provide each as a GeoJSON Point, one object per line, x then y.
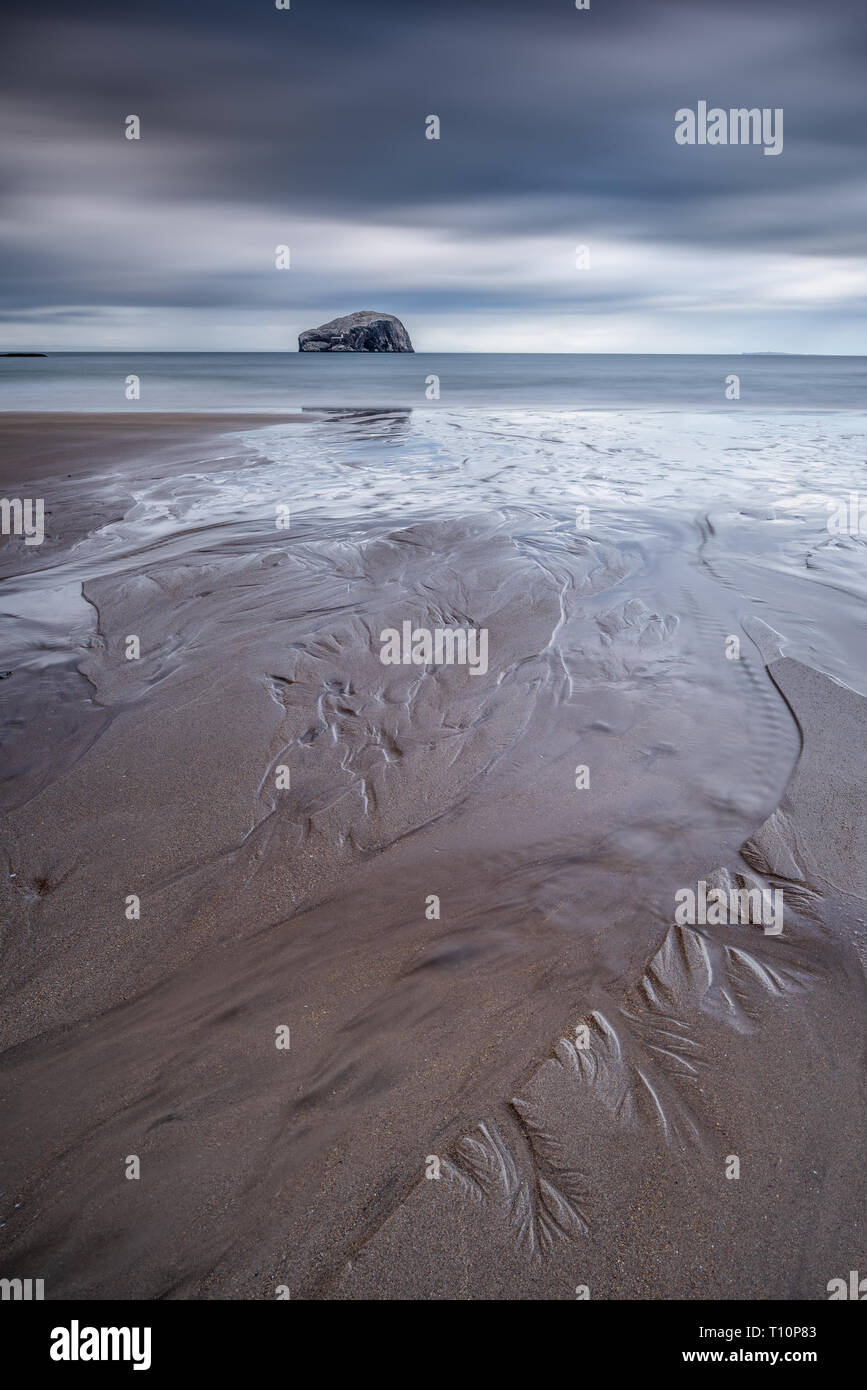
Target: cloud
{"type": "Point", "coordinates": [261, 127]}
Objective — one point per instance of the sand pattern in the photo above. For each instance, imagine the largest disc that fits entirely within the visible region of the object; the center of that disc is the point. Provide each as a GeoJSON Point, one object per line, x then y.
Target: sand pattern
{"type": "Point", "coordinates": [581, 1066]}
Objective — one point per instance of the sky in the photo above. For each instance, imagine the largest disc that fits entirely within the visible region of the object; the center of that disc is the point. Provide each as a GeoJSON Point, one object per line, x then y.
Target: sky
{"type": "Point", "coordinates": [306, 128]}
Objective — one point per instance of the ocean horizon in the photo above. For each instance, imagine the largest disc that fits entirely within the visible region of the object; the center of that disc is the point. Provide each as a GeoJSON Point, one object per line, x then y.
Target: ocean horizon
{"type": "Point", "coordinates": [279, 381]}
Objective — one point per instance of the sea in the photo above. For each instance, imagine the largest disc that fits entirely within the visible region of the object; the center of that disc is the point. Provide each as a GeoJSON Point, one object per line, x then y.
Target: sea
{"type": "Point", "coordinates": [280, 381]}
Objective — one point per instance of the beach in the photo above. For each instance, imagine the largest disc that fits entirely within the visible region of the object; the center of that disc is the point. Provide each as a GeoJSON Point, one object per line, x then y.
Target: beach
{"type": "Point", "coordinates": [375, 968]}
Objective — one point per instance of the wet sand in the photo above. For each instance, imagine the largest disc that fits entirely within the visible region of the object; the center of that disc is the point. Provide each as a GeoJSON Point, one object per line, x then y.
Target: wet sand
{"type": "Point", "coordinates": [414, 1037]}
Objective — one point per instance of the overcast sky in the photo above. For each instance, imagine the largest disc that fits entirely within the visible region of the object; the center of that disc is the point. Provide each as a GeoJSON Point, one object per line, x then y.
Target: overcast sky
{"type": "Point", "coordinates": [306, 127]}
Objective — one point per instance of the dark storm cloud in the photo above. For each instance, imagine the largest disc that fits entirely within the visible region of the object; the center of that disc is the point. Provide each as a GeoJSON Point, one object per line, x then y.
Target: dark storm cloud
{"type": "Point", "coordinates": [555, 123]}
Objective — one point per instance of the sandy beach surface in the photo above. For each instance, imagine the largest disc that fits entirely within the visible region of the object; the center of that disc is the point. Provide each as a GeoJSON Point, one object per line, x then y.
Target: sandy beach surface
{"type": "Point", "coordinates": [511, 1072]}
